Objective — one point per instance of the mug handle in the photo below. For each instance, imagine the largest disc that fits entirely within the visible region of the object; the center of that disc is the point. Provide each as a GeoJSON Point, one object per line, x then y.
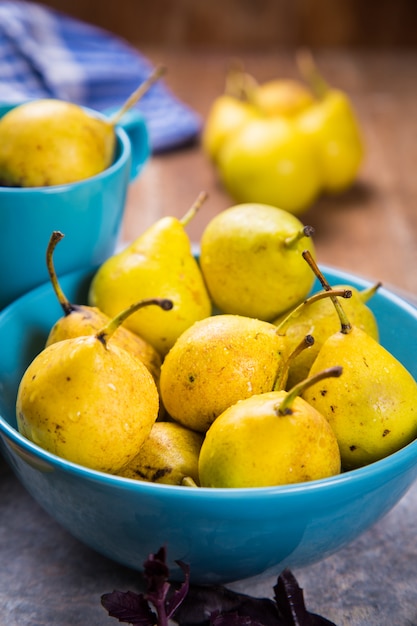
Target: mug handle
{"type": "Point", "coordinates": [134, 125]}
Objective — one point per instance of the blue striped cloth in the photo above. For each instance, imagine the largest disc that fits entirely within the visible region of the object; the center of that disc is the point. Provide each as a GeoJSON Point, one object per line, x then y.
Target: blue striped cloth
{"type": "Point", "coordinates": [45, 53]}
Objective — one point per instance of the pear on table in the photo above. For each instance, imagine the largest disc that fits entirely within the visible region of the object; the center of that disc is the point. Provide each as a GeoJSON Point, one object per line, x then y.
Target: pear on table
{"type": "Point", "coordinates": [282, 96]}
{"type": "Point", "coordinates": [49, 142]}
{"type": "Point", "coordinates": [159, 261]}
{"type": "Point", "coordinates": [267, 160]}
{"type": "Point", "coordinates": [372, 408]}
{"type": "Point", "coordinates": [331, 125]}
{"type": "Point", "coordinates": [89, 401]}
{"type": "Point", "coordinates": [228, 113]}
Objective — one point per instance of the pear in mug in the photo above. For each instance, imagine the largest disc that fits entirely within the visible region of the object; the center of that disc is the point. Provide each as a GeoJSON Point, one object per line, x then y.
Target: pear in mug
{"type": "Point", "coordinates": [49, 141]}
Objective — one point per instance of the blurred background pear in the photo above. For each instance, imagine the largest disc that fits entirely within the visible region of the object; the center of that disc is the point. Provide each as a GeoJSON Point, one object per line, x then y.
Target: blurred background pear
{"type": "Point", "coordinates": [267, 160]}
{"type": "Point", "coordinates": [281, 96]}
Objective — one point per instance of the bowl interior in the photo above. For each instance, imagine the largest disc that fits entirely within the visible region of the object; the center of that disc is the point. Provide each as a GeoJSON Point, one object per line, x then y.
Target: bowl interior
{"type": "Point", "coordinates": [224, 534]}
{"type": "Point", "coordinates": [25, 324]}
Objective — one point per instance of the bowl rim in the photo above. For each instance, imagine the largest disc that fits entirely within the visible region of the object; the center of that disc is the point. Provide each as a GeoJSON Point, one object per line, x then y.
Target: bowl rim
{"type": "Point", "coordinates": [406, 456]}
{"type": "Point", "coordinates": [403, 457]}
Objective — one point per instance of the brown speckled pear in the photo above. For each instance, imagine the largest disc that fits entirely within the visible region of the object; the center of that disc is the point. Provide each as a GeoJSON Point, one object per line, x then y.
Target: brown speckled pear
{"type": "Point", "coordinates": [215, 363]}
{"type": "Point", "coordinates": [372, 407]}
{"type": "Point", "coordinates": [89, 401]}
{"type": "Point", "coordinates": [169, 456]}
{"type": "Point", "coordinates": [251, 260]}
{"type": "Point", "coordinates": [274, 438]}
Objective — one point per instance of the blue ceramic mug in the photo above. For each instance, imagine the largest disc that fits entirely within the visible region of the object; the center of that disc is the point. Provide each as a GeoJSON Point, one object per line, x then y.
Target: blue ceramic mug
{"type": "Point", "coordinates": [89, 213]}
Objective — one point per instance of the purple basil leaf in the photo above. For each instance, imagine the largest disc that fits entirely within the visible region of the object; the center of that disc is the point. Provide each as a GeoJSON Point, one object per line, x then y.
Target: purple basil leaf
{"type": "Point", "coordinates": [128, 607]}
{"type": "Point", "coordinates": [290, 602]}
{"type": "Point", "coordinates": [177, 596]}
{"type": "Point", "coordinates": [155, 569]}
{"type": "Point", "coordinates": [204, 603]}
{"type": "Point", "coordinates": [156, 573]}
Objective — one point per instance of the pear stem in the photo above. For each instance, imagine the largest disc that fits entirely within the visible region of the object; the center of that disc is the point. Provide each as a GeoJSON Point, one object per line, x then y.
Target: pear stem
{"type": "Point", "coordinates": [63, 300]}
{"type": "Point", "coordinates": [239, 84]}
{"type": "Point", "coordinates": [345, 324]}
{"type": "Point", "coordinates": [285, 406]}
{"type": "Point", "coordinates": [309, 71]}
{"type": "Point", "coordinates": [138, 94]}
{"type": "Point", "coordinates": [105, 333]}
{"type": "Point", "coordinates": [281, 379]}
{"type": "Point", "coordinates": [291, 240]}
{"type": "Point", "coordinates": [343, 293]}
{"type": "Point", "coordinates": [369, 292]}
{"type": "Point", "coordinates": [195, 207]}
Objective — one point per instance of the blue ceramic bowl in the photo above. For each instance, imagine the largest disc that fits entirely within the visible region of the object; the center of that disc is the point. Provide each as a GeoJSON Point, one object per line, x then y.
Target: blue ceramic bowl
{"type": "Point", "coordinates": [224, 535]}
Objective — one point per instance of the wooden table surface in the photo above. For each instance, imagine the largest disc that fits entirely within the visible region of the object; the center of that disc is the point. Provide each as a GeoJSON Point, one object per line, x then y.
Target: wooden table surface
{"type": "Point", "coordinates": [49, 578]}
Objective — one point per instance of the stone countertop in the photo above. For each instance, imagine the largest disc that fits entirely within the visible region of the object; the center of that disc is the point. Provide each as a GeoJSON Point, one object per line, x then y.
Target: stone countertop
{"type": "Point", "coordinates": [48, 578]}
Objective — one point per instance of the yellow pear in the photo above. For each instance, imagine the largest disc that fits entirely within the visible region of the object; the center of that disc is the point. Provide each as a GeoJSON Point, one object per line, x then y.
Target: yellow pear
{"type": "Point", "coordinates": [282, 96]}
{"type": "Point", "coordinates": [229, 111]}
{"type": "Point", "coordinates": [80, 319]}
{"type": "Point", "coordinates": [372, 408]}
{"type": "Point", "coordinates": [48, 141]}
{"type": "Point", "coordinates": [319, 318]}
{"type": "Point", "coordinates": [89, 401]}
{"type": "Point", "coordinates": [51, 142]}
{"type": "Point", "coordinates": [250, 256]}
{"type": "Point", "coordinates": [332, 127]}
{"type": "Point", "coordinates": [267, 160]}
{"type": "Point", "coordinates": [160, 261]}
{"type": "Point", "coordinates": [215, 363]}
{"type": "Point", "coordinates": [169, 456]}
{"type": "Point", "coordinates": [274, 438]}
{"type": "Point", "coordinates": [226, 115]}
